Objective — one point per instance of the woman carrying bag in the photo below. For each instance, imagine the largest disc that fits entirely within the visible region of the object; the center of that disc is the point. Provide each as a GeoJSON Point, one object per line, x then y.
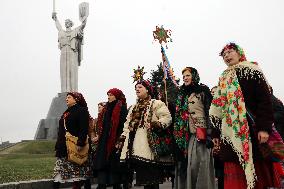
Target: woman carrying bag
{"type": "Point", "coordinates": [75, 122]}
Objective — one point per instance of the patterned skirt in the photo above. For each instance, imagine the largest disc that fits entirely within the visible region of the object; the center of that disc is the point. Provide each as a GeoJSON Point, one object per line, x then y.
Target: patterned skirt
{"type": "Point", "coordinates": [65, 171]}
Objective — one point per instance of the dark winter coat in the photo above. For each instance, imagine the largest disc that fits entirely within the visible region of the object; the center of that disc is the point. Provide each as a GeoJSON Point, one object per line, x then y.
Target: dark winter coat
{"type": "Point", "coordinates": [77, 121]}
{"type": "Point", "coordinates": [101, 161]}
{"type": "Point", "coordinates": [278, 113]}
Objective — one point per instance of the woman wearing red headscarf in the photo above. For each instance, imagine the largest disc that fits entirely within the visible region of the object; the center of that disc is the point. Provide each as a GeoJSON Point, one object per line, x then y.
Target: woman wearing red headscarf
{"type": "Point", "coordinates": [76, 119]}
{"type": "Point", "coordinates": [110, 125]}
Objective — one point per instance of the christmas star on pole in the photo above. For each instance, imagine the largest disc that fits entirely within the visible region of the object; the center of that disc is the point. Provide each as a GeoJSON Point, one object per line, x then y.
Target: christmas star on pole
{"type": "Point", "coordinates": [162, 35]}
{"type": "Point", "coordinates": [138, 74]}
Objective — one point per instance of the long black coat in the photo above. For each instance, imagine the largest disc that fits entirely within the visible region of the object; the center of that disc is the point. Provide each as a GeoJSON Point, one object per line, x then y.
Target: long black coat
{"type": "Point", "coordinates": [278, 112]}
{"type": "Point", "coordinates": [77, 123]}
{"type": "Point", "coordinates": [101, 161]}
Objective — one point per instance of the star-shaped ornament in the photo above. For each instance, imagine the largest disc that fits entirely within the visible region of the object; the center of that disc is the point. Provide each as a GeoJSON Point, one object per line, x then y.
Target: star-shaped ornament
{"type": "Point", "coordinates": [162, 35]}
{"type": "Point", "coordinates": [138, 74]}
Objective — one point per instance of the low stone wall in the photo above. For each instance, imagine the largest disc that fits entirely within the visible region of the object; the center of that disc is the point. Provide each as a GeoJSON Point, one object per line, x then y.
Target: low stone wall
{"type": "Point", "coordinates": [8, 146]}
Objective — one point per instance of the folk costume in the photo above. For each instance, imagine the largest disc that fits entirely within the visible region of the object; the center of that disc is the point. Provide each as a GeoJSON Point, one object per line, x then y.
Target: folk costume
{"type": "Point", "coordinates": [242, 107]}
{"type": "Point", "coordinates": [194, 168]}
{"type": "Point", "coordinates": [138, 149]}
{"type": "Point", "coordinates": [77, 120]}
{"type": "Point", "coordinates": [110, 125]}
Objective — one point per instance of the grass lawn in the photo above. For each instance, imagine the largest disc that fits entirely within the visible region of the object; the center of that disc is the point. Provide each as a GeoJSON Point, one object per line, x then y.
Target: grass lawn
{"type": "Point", "coordinates": [27, 161]}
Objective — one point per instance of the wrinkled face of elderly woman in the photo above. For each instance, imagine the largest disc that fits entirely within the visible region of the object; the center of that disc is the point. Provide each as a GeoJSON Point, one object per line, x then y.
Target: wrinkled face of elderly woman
{"type": "Point", "coordinates": [110, 97]}
{"type": "Point", "coordinates": [70, 100]}
{"type": "Point", "coordinates": [187, 77]}
{"type": "Point", "coordinates": [68, 23]}
{"type": "Point", "coordinates": [141, 91]}
{"type": "Point", "coordinates": [231, 57]}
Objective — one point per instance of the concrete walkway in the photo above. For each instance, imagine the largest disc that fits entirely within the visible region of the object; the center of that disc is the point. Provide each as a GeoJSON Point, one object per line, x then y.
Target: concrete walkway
{"type": "Point", "coordinates": [165, 185]}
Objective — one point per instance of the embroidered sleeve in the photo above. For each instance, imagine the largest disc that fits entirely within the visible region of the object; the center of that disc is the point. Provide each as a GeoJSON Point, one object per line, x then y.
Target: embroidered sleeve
{"type": "Point", "coordinates": [215, 111]}
{"type": "Point", "coordinates": [126, 124]}
{"type": "Point", "coordinates": [163, 114]}
{"type": "Point", "coordinates": [215, 114]}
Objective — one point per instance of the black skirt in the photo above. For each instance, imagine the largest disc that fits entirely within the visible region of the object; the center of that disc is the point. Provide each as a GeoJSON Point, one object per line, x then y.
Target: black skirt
{"type": "Point", "coordinates": [147, 173]}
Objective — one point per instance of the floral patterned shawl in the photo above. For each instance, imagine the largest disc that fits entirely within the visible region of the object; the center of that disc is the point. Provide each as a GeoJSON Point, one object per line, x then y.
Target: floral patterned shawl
{"type": "Point", "coordinates": [181, 127]}
{"type": "Point", "coordinates": [228, 110]}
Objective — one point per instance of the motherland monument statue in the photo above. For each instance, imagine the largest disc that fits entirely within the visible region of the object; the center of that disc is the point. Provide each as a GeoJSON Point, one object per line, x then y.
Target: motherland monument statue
{"type": "Point", "coordinates": [70, 43]}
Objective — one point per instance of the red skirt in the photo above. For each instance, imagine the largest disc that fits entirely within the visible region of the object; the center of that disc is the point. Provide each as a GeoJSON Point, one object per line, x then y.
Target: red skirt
{"type": "Point", "coordinates": [234, 176]}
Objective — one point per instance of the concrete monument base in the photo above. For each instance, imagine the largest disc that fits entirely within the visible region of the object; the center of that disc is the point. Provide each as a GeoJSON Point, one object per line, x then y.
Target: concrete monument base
{"type": "Point", "coordinates": [48, 127]}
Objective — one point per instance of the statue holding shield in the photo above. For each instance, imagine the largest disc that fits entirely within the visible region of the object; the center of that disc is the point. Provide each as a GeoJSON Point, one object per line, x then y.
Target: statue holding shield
{"type": "Point", "coordinates": [70, 43]}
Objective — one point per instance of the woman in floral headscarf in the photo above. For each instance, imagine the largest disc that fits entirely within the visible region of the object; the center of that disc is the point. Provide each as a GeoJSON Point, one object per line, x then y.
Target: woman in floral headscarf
{"type": "Point", "coordinates": [194, 168]}
{"type": "Point", "coordinates": [241, 113]}
{"type": "Point", "coordinates": [76, 118]}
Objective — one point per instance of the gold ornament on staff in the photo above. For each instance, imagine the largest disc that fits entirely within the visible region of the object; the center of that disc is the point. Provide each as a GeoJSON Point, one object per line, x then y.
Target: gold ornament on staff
{"type": "Point", "coordinates": [138, 74]}
{"type": "Point", "coordinates": [162, 35]}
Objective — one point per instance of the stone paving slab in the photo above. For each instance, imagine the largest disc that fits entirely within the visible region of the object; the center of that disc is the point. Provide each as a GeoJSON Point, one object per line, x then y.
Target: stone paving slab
{"type": "Point", "coordinates": [32, 184]}
{"type": "Point", "coordinates": [165, 185]}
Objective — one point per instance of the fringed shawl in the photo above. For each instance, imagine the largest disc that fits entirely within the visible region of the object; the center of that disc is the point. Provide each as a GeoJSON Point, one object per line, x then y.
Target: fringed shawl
{"type": "Point", "coordinates": [228, 114]}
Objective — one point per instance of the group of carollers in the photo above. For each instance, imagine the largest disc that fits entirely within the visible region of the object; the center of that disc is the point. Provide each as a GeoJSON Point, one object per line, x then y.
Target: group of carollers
{"type": "Point", "coordinates": [217, 138]}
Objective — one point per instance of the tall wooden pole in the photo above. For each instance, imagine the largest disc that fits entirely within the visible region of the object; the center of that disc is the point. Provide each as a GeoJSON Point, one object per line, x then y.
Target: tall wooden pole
{"type": "Point", "coordinates": [165, 76]}
{"type": "Point", "coordinates": [166, 93]}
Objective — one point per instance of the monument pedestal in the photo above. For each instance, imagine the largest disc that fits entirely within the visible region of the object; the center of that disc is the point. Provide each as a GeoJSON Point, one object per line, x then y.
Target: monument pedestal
{"type": "Point", "coordinates": [48, 127]}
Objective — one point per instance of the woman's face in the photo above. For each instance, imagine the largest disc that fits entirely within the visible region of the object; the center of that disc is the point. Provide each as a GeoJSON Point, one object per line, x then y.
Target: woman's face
{"type": "Point", "coordinates": [141, 91]}
{"type": "Point", "coordinates": [213, 91]}
{"type": "Point", "coordinates": [100, 108]}
{"type": "Point", "coordinates": [187, 77]}
{"type": "Point", "coordinates": [110, 97]}
{"type": "Point", "coordinates": [231, 57]}
{"type": "Point", "coordinates": [70, 100]}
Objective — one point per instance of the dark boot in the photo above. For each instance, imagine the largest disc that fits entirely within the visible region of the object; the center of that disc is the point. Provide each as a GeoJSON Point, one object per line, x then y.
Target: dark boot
{"type": "Point", "coordinates": [147, 187]}
{"type": "Point", "coordinates": [87, 184]}
{"type": "Point", "coordinates": [55, 185]}
{"type": "Point", "coordinates": [152, 186]}
{"type": "Point", "coordinates": [101, 186]}
{"type": "Point", "coordinates": [155, 186]}
{"type": "Point", "coordinates": [127, 186]}
{"type": "Point", "coordinates": [76, 185]}
{"type": "Point", "coordinates": [116, 186]}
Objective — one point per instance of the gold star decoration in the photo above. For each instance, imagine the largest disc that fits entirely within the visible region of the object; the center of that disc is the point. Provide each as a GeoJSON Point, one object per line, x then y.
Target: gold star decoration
{"type": "Point", "coordinates": [162, 35]}
{"type": "Point", "coordinates": [138, 74]}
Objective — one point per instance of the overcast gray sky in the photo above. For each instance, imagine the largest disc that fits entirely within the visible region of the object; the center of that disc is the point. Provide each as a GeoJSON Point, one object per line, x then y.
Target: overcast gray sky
{"type": "Point", "coordinates": [118, 37]}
